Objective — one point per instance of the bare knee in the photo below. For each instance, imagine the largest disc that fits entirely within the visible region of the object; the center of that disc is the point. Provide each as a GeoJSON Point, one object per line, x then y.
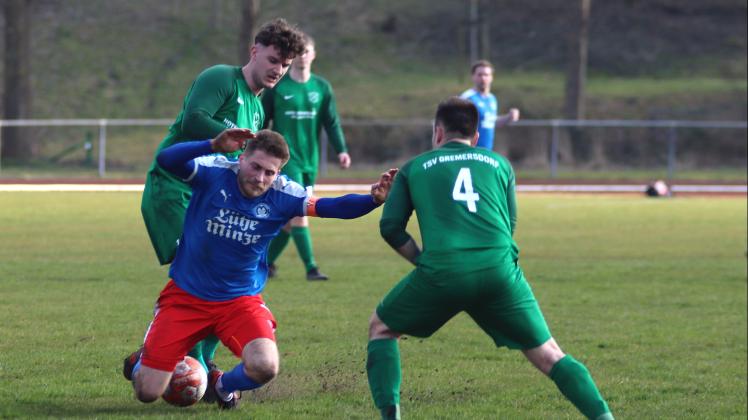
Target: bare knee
{"type": "Point", "coordinates": [544, 356]}
{"type": "Point", "coordinates": [378, 330]}
{"type": "Point", "coordinates": [150, 384]}
{"type": "Point", "coordinates": [261, 361]}
{"type": "Point", "coordinates": [147, 395]}
{"type": "Point", "coordinates": [261, 371]}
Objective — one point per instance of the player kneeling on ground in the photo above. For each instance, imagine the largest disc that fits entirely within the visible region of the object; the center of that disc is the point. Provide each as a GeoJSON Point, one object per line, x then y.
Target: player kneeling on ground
{"type": "Point", "coordinates": [220, 267]}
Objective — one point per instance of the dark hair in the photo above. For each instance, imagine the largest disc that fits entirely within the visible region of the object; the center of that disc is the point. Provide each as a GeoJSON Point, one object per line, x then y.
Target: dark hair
{"type": "Point", "coordinates": [457, 115]}
{"type": "Point", "coordinates": [271, 143]}
{"type": "Point", "coordinates": [480, 63]}
{"type": "Point", "coordinates": [280, 34]}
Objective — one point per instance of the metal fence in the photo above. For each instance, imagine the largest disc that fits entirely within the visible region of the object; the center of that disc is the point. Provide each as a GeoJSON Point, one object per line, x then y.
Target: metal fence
{"type": "Point", "coordinates": [672, 127]}
{"type": "Point", "coordinates": [552, 134]}
{"type": "Point", "coordinates": [102, 124]}
{"type": "Point", "coordinates": [410, 136]}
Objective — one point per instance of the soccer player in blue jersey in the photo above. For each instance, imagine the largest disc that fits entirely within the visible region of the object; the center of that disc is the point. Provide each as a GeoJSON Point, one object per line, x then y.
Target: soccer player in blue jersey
{"type": "Point", "coordinates": [220, 97]}
{"type": "Point", "coordinates": [488, 106]}
{"type": "Point", "coordinates": [220, 268]}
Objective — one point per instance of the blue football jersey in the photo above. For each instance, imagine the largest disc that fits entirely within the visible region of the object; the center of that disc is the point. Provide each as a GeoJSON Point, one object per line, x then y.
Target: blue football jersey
{"type": "Point", "coordinates": [488, 108]}
{"type": "Point", "coordinates": [223, 249]}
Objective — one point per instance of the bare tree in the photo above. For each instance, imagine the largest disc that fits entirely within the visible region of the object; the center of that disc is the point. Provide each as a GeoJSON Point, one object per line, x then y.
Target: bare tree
{"type": "Point", "coordinates": [576, 79]}
{"type": "Point", "coordinates": [250, 11]}
{"type": "Point", "coordinates": [474, 27]}
{"type": "Point", "coordinates": [17, 77]}
{"type": "Point", "coordinates": [576, 76]}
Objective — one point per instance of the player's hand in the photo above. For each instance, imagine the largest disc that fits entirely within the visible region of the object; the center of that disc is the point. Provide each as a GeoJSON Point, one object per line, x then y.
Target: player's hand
{"type": "Point", "coordinates": [345, 160]}
{"type": "Point", "coordinates": [381, 188]}
{"type": "Point", "coordinates": [513, 115]}
{"type": "Point", "coordinates": [231, 140]}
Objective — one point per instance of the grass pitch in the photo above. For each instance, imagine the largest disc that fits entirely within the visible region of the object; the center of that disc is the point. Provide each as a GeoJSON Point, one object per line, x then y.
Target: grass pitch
{"type": "Point", "coordinates": [649, 293]}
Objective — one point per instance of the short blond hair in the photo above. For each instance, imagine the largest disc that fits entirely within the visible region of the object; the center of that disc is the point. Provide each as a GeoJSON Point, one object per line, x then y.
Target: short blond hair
{"type": "Point", "coordinates": [270, 142]}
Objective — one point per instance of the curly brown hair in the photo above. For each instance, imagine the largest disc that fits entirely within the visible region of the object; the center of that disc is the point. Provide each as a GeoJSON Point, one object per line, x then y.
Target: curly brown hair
{"type": "Point", "coordinates": [280, 34]}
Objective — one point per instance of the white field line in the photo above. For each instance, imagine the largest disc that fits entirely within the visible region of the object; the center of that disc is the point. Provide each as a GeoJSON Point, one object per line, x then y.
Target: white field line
{"type": "Point", "coordinates": [602, 188]}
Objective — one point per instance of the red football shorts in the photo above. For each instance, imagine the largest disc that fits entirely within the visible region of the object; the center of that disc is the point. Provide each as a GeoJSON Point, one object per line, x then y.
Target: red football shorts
{"type": "Point", "coordinates": [181, 320]}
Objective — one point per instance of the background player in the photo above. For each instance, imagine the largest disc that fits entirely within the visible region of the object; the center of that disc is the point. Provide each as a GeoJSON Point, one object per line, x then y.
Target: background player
{"type": "Point", "coordinates": [464, 198]}
{"type": "Point", "coordinates": [487, 104]}
{"type": "Point", "coordinates": [298, 105]}
{"type": "Point", "coordinates": [221, 97]}
{"type": "Point", "coordinates": [236, 208]}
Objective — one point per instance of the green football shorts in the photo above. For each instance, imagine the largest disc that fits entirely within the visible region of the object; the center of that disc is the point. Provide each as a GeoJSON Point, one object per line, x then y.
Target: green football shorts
{"type": "Point", "coordinates": [163, 206]}
{"type": "Point", "coordinates": [305, 178]}
{"type": "Point", "coordinates": [499, 300]}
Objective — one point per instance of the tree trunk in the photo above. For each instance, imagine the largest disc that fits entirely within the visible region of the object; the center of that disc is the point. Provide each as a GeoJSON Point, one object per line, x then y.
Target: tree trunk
{"type": "Point", "coordinates": [474, 29]}
{"type": "Point", "coordinates": [16, 144]}
{"type": "Point", "coordinates": [485, 36]}
{"type": "Point", "coordinates": [576, 76]}
{"type": "Point", "coordinates": [250, 11]}
{"type": "Point", "coordinates": [583, 147]}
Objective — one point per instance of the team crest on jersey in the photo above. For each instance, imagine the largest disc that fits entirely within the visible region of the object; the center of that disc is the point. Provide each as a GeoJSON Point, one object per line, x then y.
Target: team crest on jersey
{"type": "Point", "coordinates": [262, 211]}
{"type": "Point", "coordinates": [313, 97]}
{"type": "Point", "coordinates": [256, 120]}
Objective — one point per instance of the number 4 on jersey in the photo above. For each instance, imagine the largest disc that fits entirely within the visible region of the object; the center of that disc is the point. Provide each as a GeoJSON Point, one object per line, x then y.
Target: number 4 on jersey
{"type": "Point", "coordinates": [463, 190]}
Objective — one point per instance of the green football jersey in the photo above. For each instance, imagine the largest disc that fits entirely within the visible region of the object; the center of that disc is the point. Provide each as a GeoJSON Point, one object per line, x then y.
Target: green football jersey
{"type": "Point", "coordinates": [299, 111]}
{"type": "Point", "coordinates": [218, 99]}
{"type": "Point", "coordinates": [465, 203]}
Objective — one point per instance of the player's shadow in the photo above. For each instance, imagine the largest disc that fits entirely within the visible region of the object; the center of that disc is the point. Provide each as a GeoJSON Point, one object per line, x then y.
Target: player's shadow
{"type": "Point", "coordinates": [97, 408]}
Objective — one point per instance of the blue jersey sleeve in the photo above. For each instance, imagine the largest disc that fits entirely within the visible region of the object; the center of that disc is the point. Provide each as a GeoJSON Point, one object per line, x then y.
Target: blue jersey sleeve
{"type": "Point", "coordinates": [178, 158]}
{"type": "Point", "coordinates": [348, 206]}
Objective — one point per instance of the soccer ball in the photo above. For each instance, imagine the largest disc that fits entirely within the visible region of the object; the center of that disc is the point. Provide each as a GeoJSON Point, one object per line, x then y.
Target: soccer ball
{"type": "Point", "coordinates": [658, 188]}
{"type": "Point", "coordinates": [188, 383]}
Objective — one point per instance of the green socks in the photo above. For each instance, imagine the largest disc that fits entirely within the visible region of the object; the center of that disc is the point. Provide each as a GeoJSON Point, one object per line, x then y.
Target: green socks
{"type": "Point", "coordinates": [575, 382]}
{"type": "Point", "coordinates": [303, 240]}
{"type": "Point", "coordinates": [383, 370]}
{"type": "Point", "coordinates": [197, 353]}
{"type": "Point", "coordinates": [390, 413]}
{"type": "Point", "coordinates": [210, 344]}
{"type": "Point", "coordinates": [277, 245]}
{"type": "Point", "coordinates": [205, 350]}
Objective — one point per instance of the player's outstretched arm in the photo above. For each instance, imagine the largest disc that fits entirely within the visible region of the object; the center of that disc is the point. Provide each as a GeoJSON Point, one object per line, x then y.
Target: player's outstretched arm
{"type": "Point", "coordinates": [351, 206]}
{"type": "Point", "coordinates": [177, 158]}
